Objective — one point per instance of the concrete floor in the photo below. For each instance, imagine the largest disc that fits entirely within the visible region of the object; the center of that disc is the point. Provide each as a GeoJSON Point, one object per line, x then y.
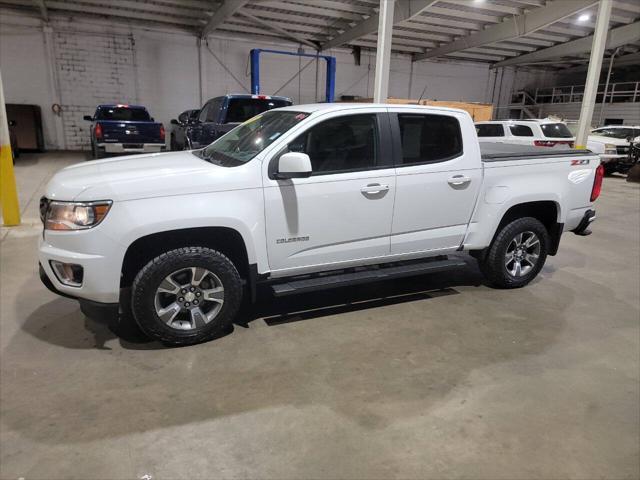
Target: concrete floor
{"type": "Point", "coordinates": [431, 377]}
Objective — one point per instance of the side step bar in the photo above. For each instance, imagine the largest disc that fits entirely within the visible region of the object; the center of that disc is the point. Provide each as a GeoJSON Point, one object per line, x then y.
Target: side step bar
{"type": "Point", "coordinates": [372, 274]}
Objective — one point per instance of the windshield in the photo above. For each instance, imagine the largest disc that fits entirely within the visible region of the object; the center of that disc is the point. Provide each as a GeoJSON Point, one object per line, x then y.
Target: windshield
{"type": "Point", "coordinates": [249, 139]}
{"type": "Point", "coordinates": [242, 109]}
{"type": "Point", "coordinates": [617, 132]}
{"type": "Point", "coordinates": [123, 114]}
{"type": "Point", "coordinates": [555, 130]}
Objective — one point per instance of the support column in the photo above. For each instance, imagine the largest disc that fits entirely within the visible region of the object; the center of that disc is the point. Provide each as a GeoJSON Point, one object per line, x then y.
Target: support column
{"type": "Point", "coordinates": [54, 86]}
{"type": "Point", "coordinates": [8, 191]}
{"type": "Point", "coordinates": [383, 53]}
{"type": "Point", "coordinates": [593, 74]}
{"type": "Point", "coordinates": [202, 70]}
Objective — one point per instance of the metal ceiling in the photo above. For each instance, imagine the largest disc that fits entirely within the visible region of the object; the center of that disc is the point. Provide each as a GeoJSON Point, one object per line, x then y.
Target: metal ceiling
{"type": "Point", "coordinates": [491, 31]}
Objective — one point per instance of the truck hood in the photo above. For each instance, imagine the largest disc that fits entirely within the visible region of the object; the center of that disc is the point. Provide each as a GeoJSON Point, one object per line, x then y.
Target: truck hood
{"type": "Point", "coordinates": [145, 176]}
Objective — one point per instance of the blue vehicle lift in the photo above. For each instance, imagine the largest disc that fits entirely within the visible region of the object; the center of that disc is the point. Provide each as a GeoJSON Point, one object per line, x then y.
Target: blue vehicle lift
{"type": "Point", "coordinates": [331, 70]}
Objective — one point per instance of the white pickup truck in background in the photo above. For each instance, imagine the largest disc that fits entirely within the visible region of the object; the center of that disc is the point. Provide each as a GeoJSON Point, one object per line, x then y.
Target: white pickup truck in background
{"type": "Point", "coordinates": [304, 198]}
{"type": "Point", "coordinates": [613, 143]}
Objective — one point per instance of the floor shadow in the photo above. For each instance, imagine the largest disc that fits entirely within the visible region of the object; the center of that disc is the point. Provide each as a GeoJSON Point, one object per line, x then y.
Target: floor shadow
{"type": "Point", "coordinates": [374, 370]}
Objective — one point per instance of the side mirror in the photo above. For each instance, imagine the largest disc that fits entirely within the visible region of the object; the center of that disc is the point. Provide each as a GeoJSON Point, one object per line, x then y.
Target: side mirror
{"type": "Point", "coordinates": [88, 118]}
{"type": "Point", "coordinates": [12, 123]}
{"type": "Point", "coordinates": [293, 165]}
{"type": "Point", "coordinates": [174, 122]}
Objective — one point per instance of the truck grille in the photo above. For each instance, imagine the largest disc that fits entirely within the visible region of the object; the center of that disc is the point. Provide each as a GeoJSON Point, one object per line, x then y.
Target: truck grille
{"type": "Point", "coordinates": [622, 149]}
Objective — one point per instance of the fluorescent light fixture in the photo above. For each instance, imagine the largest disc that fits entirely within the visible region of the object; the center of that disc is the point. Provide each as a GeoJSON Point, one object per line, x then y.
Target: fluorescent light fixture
{"type": "Point", "coordinates": [584, 17]}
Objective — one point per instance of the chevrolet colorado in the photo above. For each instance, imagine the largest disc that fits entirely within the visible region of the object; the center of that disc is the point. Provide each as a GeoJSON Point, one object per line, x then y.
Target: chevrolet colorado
{"type": "Point", "coordinates": [302, 198]}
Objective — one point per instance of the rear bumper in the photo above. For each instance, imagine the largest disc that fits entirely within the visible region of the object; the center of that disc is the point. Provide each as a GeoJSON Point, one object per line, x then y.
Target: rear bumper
{"type": "Point", "coordinates": [587, 219]}
{"type": "Point", "coordinates": [132, 147]}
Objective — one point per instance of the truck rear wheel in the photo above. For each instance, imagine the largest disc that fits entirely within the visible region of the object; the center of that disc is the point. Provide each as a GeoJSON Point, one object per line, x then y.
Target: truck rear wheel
{"type": "Point", "coordinates": [187, 296]}
{"type": "Point", "coordinates": [517, 254]}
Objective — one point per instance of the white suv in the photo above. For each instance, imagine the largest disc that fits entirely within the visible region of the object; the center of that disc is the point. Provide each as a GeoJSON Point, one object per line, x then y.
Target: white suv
{"type": "Point", "coordinates": [538, 133]}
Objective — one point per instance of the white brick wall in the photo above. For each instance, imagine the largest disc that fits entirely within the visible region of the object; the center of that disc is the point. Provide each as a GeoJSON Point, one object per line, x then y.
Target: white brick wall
{"type": "Point", "coordinates": [97, 61]}
{"type": "Point", "coordinates": [91, 69]}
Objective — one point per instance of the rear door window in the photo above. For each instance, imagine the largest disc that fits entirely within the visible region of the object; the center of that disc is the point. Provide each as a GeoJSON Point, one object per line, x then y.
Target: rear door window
{"type": "Point", "coordinates": [490, 130]}
{"type": "Point", "coordinates": [242, 109]}
{"type": "Point", "coordinates": [429, 138]}
{"type": "Point", "coordinates": [521, 131]}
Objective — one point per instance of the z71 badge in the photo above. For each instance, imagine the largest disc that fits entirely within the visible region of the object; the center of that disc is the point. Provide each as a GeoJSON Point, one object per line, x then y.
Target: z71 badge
{"type": "Point", "coordinates": [292, 239]}
{"type": "Point", "coordinates": [579, 162]}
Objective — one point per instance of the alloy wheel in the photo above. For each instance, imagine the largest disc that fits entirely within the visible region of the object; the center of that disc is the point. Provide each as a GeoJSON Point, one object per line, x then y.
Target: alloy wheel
{"type": "Point", "coordinates": [189, 298]}
{"type": "Point", "coordinates": [522, 254]}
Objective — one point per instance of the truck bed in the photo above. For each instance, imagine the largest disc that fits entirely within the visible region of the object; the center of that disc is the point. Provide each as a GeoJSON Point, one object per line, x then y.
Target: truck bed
{"type": "Point", "coordinates": [500, 152]}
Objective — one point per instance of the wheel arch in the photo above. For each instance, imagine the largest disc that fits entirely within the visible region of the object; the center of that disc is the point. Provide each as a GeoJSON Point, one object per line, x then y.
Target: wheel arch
{"type": "Point", "coordinates": [224, 239]}
{"type": "Point", "coordinates": [548, 212]}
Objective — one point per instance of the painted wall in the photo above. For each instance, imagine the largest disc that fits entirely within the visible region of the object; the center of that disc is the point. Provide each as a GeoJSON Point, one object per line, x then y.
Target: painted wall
{"type": "Point", "coordinates": [82, 62]}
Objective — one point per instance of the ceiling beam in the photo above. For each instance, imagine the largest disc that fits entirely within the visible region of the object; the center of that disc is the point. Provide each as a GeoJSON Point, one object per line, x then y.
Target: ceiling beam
{"type": "Point", "coordinates": [292, 36]}
{"type": "Point", "coordinates": [404, 10]}
{"type": "Point", "coordinates": [43, 9]}
{"type": "Point", "coordinates": [226, 10]}
{"type": "Point", "coordinates": [616, 37]}
{"type": "Point", "coordinates": [515, 27]}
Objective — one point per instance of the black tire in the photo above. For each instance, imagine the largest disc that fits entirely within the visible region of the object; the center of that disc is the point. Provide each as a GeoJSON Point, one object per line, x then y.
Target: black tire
{"type": "Point", "coordinates": [493, 262]}
{"type": "Point", "coordinates": [96, 153]}
{"type": "Point", "coordinates": [146, 283]}
{"type": "Point", "coordinates": [610, 168]}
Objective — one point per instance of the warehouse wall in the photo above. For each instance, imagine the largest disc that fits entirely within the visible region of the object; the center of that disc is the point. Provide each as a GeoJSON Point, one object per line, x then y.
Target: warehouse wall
{"type": "Point", "coordinates": [79, 63]}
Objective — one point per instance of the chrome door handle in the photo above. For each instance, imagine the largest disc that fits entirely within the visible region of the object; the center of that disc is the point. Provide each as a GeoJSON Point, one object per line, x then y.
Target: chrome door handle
{"type": "Point", "coordinates": [458, 180]}
{"type": "Point", "coordinates": [374, 188]}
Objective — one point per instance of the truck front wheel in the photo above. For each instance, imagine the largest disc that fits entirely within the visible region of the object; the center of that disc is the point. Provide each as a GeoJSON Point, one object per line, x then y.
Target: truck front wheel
{"type": "Point", "coordinates": [186, 296]}
{"type": "Point", "coordinates": [517, 253]}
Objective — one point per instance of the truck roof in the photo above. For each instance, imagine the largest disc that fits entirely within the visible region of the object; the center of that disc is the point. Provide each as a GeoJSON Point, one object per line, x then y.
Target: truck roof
{"type": "Point", "coordinates": [332, 107]}
{"type": "Point", "coordinates": [251, 95]}
{"type": "Point", "coordinates": [120, 105]}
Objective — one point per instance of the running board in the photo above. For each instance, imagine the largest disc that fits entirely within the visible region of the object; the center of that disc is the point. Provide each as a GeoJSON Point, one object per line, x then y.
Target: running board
{"type": "Point", "coordinates": [372, 274]}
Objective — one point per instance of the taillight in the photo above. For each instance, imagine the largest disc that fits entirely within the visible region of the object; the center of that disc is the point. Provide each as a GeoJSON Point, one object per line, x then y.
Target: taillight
{"type": "Point", "coordinates": [161, 132]}
{"type": "Point", "coordinates": [597, 183]}
{"type": "Point", "coordinates": [544, 143]}
{"type": "Point", "coordinates": [98, 131]}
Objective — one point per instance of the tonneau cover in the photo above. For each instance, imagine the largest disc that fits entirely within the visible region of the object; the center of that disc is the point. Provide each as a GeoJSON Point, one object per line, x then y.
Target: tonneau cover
{"type": "Point", "coordinates": [500, 152]}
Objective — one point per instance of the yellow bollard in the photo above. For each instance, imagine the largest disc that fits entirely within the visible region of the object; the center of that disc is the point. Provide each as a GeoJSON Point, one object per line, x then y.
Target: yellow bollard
{"type": "Point", "coordinates": [8, 192]}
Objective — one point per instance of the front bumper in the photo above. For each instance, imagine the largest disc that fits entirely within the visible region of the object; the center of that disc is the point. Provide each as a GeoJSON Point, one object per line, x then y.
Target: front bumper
{"type": "Point", "coordinates": [95, 310]}
{"type": "Point", "coordinates": [132, 147]}
{"type": "Point", "coordinates": [611, 157]}
{"type": "Point", "coordinates": [101, 278]}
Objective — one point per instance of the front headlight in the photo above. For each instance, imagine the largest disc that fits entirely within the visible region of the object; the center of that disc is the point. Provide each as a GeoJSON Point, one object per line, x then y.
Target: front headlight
{"type": "Point", "coordinates": [610, 148]}
{"type": "Point", "coordinates": [74, 215]}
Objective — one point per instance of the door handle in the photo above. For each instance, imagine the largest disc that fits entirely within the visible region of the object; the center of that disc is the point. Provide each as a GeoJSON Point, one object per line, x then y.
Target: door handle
{"type": "Point", "coordinates": [374, 188]}
{"type": "Point", "coordinates": [458, 180]}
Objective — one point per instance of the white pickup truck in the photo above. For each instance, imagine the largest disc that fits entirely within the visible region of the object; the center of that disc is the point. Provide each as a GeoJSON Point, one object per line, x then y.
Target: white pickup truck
{"type": "Point", "coordinates": [303, 198]}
